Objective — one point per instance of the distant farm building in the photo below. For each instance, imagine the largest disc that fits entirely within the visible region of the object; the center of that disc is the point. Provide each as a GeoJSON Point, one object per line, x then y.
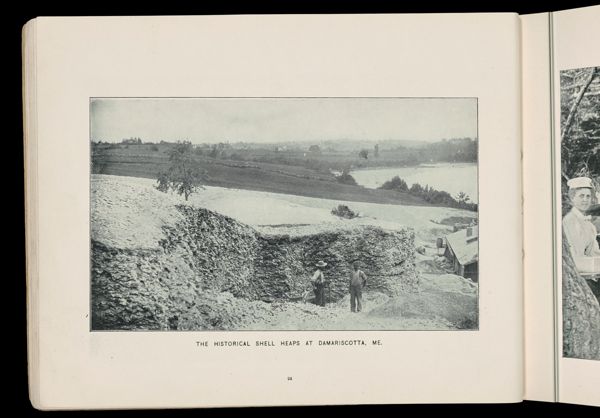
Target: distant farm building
{"type": "Point", "coordinates": [462, 249]}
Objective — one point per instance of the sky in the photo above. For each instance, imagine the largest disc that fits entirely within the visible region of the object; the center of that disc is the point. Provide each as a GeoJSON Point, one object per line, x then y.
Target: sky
{"type": "Point", "coordinates": [270, 120]}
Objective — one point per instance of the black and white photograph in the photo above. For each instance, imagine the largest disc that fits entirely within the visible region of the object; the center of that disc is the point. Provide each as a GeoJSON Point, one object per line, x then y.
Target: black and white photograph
{"type": "Point", "coordinates": [266, 214]}
{"type": "Point", "coordinates": [580, 201]}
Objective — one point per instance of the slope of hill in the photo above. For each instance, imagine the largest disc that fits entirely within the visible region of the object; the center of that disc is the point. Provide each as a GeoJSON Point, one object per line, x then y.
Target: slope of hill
{"type": "Point", "coordinates": [141, 161]}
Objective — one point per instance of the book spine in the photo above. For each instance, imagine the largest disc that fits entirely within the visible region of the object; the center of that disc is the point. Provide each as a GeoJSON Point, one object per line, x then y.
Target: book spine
{"type": "Point", "coordinates": [30, 153]}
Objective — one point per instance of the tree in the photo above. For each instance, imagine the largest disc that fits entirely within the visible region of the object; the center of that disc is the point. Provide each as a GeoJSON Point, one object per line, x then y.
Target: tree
{"type": "Point", "coordinates": [396, 183]}
{"type": "Point", "coordinates": [463, 198]}
{"type": "Point", "coordinates": [589, 77]}
{"type": "Point", "coordinates": [580, 122]}
{"type": "Point", "coordinates": [183, 175]}
{"type": "Point", "coordinates": [314, 149]}
{"type": "Point", "coordinates": [214, 152]}
{"type": "Point", "coordinates": [346, 178]}
{"type": "Point", "coordinates": [416, 189]}
{"type": "Point", "coordinates": [364, 154]}
{"type": "Point", "coordinates": [376, 151]}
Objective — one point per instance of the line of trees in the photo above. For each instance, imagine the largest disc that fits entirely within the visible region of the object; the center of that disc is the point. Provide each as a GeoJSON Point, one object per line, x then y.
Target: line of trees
{"type": "Point", "coordinates": [313, 157]}
{"type": "Point", "coordinates": [452, 150]}
{"type": "Point", "coordinates": [430, 195]}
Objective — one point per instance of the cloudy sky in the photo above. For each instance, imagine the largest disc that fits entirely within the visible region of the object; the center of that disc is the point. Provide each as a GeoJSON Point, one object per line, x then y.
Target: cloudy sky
{"type": "Point", "coordinates": [209, 120]}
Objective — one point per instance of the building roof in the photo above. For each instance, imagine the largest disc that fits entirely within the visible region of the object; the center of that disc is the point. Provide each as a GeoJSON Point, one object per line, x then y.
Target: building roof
{"type": "Point", "coordinates": [465, 248]}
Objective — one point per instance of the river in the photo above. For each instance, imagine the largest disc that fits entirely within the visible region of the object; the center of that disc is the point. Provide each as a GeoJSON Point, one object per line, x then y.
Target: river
{"type": "Point", "coordinates": [450, 177]}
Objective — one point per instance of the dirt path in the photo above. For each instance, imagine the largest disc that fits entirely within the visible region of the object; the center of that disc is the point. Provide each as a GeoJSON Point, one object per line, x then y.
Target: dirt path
{"type": "Point", "coordinates": [337, 316]}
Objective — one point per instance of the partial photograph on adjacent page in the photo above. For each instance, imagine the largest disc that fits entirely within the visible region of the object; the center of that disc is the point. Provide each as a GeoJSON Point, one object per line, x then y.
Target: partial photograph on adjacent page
{"type": "Point", "coordinates": [580, 201]}
{"type": "Point", "coordinates": [265, 214]}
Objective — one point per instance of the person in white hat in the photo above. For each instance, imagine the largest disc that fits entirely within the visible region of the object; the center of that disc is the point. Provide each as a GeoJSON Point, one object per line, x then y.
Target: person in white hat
{"type": "Point", "coordinates": [577, 226]}
{"type": "Point", "coordinates": [318, 282]}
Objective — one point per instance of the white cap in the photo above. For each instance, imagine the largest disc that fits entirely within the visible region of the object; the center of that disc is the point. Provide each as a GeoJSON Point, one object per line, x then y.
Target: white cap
{"type": "Point", "coordinates": [579, 182]}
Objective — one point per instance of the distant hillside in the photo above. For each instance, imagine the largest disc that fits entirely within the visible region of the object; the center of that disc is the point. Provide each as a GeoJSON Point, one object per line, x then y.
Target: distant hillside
{"type": "Point", "coordinates": [350, 145]}
{"type": "Point", "coordinates": [282, 169]}
{"type": "Point", "coordinates": [142, 161]}
{"type": "Point", "coordinates": [325, 155]}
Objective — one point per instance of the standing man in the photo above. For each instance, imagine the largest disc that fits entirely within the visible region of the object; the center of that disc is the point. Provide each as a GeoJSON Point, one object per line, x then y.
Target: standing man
{"type": "Point", "coordinates": [318, 281]}
{"type": "Point", "coordinates": [357, 282]}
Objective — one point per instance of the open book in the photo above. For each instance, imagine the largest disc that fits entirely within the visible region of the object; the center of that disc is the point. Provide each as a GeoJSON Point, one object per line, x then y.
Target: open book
{"type": "Point", "coordinates": [266, 210]}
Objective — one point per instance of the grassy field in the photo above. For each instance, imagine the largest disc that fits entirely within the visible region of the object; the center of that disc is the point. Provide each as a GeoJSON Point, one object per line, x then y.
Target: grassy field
{"type": "Point", "coordinates": [146, 161]}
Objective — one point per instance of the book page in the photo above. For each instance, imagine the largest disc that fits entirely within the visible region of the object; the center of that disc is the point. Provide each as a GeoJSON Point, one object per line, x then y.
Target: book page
{"type": "Point", "coordinates": [540, 383]}
{"type": "Point", "coordinates": [576, 85]}
{"type": "Point", "coordinates": [153, 294]}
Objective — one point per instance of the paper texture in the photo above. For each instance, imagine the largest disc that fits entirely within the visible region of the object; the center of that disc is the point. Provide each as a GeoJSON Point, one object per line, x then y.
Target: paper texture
{"type": "Point", "coordinates": [274, 56]}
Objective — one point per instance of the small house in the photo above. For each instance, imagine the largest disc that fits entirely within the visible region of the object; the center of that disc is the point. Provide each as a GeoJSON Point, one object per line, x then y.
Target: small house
{"type": "Point", "coordinates": [462, 249]}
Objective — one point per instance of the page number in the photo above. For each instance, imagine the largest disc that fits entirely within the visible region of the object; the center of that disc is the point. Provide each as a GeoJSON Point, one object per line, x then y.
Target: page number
{"type": "Point", "coordinates": [289, 378]}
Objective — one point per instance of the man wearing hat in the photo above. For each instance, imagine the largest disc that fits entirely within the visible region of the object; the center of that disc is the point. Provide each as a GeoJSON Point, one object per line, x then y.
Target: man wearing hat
{"type": "Point", "coordinates": [581, 233]}
{"type": "Point", "coordinates": [318, 281]}
{"type": "Point", "coordinates": [358, 280]}
{"type": "Point", "coordinates": [577, 226]}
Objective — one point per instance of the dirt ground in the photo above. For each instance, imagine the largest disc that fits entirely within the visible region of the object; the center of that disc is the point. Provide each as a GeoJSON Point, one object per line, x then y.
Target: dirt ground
{"type": "Point", "coordinates": [444, 302]}
{"type": "Point", "coordinates": [337, 316]}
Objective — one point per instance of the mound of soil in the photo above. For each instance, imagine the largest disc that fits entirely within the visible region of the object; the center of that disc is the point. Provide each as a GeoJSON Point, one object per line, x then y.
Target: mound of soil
{"type": "Point", "coordinates": [457, 304]}
{"type": "Point", "coordinates": [175, 283]}
{"type": "Point", "coordinates": [427, 265]}
{"type": "Point", "coordinates": [448, 283]}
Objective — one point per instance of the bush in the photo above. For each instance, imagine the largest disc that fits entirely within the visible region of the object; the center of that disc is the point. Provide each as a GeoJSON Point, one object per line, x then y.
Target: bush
{"type": "Point", "coordinates": [395, 183]}
{"type": "Point", "coordinates": [344, 211]}
{"type": "Point", "coordinates": [416, 189]}
{"type": "Point", "coordinates": [430, 195]}
{"type": "Point", "coordinates": [314, 149]}
{"type": "Point", "coordinates": [346, 178]}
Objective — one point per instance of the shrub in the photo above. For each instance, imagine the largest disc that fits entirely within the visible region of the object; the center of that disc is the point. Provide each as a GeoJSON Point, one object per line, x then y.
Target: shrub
{"type": "Point", "coordinates": [395, 183]}
{"type": "Point", "coordinates": [344, 211]}
{"type": "Point", "coordinates": [416, 189]}
{"type": "Point", "coordinates": [236, 156]}
{"type": "Point", "coordinates": [314, 149]}
{"type": "Point", "coordinates": [346, 178]}
{"type": "Point", "coordinates": [431, 195]}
